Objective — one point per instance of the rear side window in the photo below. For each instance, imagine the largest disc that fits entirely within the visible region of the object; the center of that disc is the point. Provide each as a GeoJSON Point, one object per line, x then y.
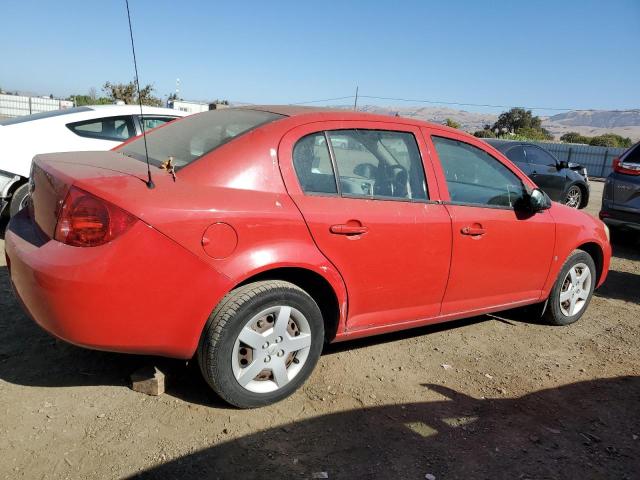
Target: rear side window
{"type": "Point", "coordinates": [476, 178]}
{"type": "Point", "coordinates": [110, 128]}
{"type": "Point", "coordinates": [195, 136]}
{"type": "Point", "coordinates": [313, 165]}
{"type": "Point", "coordinates": [379, 164]}
{"type": "Point", "coordinates": [153, 122]}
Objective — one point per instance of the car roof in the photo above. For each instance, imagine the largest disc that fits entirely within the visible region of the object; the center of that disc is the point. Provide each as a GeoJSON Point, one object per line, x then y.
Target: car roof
{"type": "Point", "coordinates": [335, 113]}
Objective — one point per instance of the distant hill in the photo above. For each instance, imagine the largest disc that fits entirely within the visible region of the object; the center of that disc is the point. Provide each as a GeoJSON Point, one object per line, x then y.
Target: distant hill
{"type": "Point", "coordinates": [585, 122]}
{"type": "Point", "coordinates": [598, 118]}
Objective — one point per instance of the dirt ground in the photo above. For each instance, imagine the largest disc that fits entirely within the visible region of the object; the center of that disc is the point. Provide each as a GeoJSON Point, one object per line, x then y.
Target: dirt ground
{"type": "Point", "coordinates": [489, 397]}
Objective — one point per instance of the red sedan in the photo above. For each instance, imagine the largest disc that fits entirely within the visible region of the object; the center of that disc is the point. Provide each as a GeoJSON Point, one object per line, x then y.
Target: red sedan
{"type": "Point", "coordinates": [273, 230]}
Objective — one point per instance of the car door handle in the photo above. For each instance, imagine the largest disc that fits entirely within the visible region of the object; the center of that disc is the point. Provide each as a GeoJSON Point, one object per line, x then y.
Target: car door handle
{"type": "Point", "coordinates": [474, 231]}
{"type": "Point", "coordinates": [346, 229]}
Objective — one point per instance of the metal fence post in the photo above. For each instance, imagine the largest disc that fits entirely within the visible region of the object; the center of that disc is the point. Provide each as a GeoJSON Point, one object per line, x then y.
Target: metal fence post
{"type": "Point", "coordinates": [604, 164]}
{"type": "Point", "coordinates": [30, 106]}
{"type": "Point", "coordinates": [569, 156]}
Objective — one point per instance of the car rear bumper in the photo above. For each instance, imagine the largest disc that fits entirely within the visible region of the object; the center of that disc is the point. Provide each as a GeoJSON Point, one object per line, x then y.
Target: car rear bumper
{"type": "Point", "coordinates": [619, 218]}
{"type": "Point", "coordinates": [141, 293]}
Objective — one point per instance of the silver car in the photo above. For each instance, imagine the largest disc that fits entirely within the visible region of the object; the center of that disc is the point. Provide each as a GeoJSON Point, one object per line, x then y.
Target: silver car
{"type": "Point", "coordinates": [621, 198]}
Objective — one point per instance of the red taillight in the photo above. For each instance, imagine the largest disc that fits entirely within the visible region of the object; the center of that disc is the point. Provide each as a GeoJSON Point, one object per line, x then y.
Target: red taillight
{"type": "Point", "coordinates": [626, 168]}
{"type": "Point", "coordinates": [88, 221]}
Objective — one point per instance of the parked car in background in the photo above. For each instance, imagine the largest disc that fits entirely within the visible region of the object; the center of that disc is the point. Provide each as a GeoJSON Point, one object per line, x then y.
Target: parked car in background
{"type": "Point", "coordinates": [621, 197]}
{"type": "Point", "coordinates": [564, 182]}
{"type": "Point", "coordinates": [82, 128]}
{"type": "Point", "coordinates": [266, 241]}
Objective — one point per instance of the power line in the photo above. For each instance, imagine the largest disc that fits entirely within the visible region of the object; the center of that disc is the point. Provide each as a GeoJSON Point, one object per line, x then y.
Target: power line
{"type": "Point", "coordinates": [431, 102]}
{"type": "Point", "coordinates": [439, 102]}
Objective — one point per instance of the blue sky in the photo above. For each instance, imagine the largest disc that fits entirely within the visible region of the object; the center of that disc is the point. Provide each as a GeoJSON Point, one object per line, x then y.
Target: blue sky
{"type": "Point", "coordinates": [560, 54]}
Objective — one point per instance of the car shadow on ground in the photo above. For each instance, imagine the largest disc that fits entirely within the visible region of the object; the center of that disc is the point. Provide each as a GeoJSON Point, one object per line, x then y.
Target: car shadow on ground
{"type": "Point", "coordinates": [582, 430]}
{"type": "Point", "coordinates": [626, 245]}
{"type": "Point", "coordinates": [621, 286]}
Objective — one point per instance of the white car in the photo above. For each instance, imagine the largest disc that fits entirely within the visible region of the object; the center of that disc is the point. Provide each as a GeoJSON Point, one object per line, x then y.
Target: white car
{"type": "Point", "coordinates": [99, 127]}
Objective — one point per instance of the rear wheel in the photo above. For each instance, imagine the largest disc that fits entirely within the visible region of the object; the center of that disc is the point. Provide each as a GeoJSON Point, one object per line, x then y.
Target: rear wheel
{"type": "Point", "coordinates": [573, 197]}
{"type": "Point", "coordinates": [573, 289]}
{"type": "Point", "coordinates": [18, 199]}
{"type": "Point", "coordinates": [261, 343]}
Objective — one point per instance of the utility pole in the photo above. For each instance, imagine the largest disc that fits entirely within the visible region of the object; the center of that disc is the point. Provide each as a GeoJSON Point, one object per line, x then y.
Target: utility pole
{"type": "Point", "coordinates": [355, 103]}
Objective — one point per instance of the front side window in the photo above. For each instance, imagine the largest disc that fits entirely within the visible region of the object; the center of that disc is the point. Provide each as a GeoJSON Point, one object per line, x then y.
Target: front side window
{"type": "Point", "coordinates": [378, 163]}
{"type": "Point", "coordinates": [195, 136]}
{"type": "Point", "coordinates": [111, 128]}
{"type": "Point", "coordinates": [516, 154]}
{"type": "Point", "coordinates": [476, 178]}
{"type": "Point", "coordinates": [538, 156]}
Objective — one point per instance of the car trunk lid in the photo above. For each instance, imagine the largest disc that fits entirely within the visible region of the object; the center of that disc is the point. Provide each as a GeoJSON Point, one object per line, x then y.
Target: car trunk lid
{"type": "Point", "coordinates": [53, 175]}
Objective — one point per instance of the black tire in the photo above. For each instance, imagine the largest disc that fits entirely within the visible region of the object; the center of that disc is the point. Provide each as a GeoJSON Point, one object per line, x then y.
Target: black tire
{"type": "Point", "coordinates": [554, 312]}
{"type": "Point", "coordinates": [17, 198]}
{"type": "Point", "coordinates": [235, 310]}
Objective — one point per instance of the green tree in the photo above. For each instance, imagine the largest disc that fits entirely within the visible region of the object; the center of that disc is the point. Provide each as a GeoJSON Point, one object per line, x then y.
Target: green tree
{"type": "Point", "coordinates": [611, 140]}
{"type": "Point", "coordinates": [574, 137]}
{"type": "Point", "coordinates": [515, 119]}
{"type": "Point", "coordinates": [534, 133]}
{"type": "Point", "coordinates": [80, 100]}
{"type": "Point", "coordinates": [451, 123]}
{"type": "Point", "coordinates": [127, 93]}
{"type": "Point", "coordinates": [485, 133]}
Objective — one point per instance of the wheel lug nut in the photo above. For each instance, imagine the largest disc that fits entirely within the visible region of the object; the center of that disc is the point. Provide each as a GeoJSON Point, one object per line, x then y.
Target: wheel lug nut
{"type": "Point", "coordinates": [265, 346]}
{"type": "Point", "coordinates": [278, 340]}
{"type": "Point", "coordinates": [281, 353]}
{"type": "Point", "coordinates": [267, 359]}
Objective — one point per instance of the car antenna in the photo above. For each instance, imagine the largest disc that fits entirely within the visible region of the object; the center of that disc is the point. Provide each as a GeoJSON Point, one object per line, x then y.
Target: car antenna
{"type": "Point", "coordinates": [149, 182]}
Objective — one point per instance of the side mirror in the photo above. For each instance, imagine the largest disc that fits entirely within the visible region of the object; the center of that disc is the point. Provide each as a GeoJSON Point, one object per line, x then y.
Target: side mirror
{"type": "Point", "coordinates": [562, 164]}
{"type": "Point", "coordinates": [538, 200]}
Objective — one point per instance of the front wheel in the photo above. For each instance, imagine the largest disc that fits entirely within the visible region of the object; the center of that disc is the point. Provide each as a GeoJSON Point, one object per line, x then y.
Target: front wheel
{"type": "Point", "coordinates": [573, 289]}
{"type": "Point", "coordinates": [261, 343]}
{"type": "Point", "coordinates": [573, 198]}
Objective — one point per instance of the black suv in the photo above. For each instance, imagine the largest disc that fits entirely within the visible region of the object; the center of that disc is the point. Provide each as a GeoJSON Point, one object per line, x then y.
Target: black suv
{"type": "Point", "coordinates": [621, 197]}
{"type": "Point", "coordinates": [564, 182]}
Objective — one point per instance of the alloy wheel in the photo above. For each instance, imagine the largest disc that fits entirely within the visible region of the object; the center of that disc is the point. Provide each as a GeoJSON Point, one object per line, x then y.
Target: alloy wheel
{"type": "Point", "coordinates": [575, 290]}
{"type": "Point", "coordinates": [574, 197]}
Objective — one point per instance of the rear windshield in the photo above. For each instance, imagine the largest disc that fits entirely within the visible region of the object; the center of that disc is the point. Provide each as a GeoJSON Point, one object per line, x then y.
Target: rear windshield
{"type": "Point", "coordinates": [192, 137]}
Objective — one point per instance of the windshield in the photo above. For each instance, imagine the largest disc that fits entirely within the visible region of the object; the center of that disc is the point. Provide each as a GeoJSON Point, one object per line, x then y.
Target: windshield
{"type": "Point", "coordinates": [193, 137]}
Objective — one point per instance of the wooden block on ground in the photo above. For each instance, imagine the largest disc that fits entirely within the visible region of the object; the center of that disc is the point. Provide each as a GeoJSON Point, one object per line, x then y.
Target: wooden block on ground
{"type": "Point", "coordinates": [148, 380]}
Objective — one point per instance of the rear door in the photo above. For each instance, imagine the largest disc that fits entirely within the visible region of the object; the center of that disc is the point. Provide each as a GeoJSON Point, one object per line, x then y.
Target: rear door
{"type": "Point", "coordinates": [500, 255]}
{"type": "Point", "coordinates": [378, 223]}
{"type": "Point", "coordinates": [544, 172]}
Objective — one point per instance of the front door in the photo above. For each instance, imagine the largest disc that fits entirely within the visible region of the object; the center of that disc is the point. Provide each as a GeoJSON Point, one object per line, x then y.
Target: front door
{"type": "Point", "coordinates": [362, 190]}
{"type": "Point", "coordinates": [501, 255]}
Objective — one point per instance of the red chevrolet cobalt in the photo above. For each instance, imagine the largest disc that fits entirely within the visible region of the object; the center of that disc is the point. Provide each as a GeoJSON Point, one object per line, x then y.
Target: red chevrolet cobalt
{"type": "Point", "coordinates": [272, 230]}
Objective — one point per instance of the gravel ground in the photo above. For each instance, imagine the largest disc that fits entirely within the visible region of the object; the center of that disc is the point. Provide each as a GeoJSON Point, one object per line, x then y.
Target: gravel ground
{"type": "Point", "coordinates": [490, 397]}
